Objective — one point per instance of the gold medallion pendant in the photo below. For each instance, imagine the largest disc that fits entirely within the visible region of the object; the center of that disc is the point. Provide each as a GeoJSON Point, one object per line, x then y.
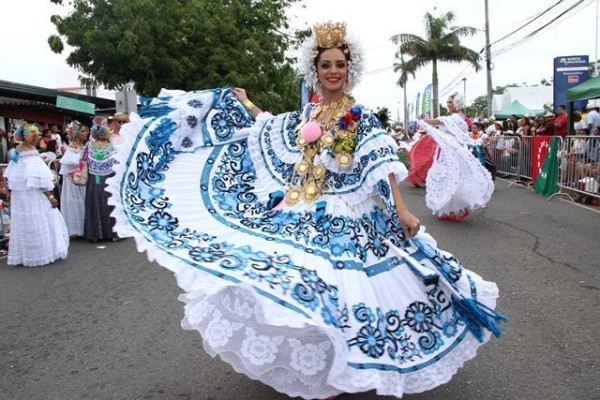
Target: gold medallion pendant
{"type": "Point", "coordinates": [292, 197]}
{"type": "Point", "coordinates": [344, 160]}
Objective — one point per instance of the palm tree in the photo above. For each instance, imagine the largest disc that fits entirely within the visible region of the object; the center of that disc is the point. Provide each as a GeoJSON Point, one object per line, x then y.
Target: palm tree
{"type": "Point", "coordinates": [442, 44]}
{"type": "Point", "coordinates": [402, 80]}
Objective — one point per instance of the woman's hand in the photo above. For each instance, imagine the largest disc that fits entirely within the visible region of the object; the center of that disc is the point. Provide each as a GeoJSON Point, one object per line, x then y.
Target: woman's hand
{"type": "Point", "coordinates": [240, 94]}
{"type": "Point", "coordinates": [243, 98]}
{"type": "Point", "coordinates": [410, 223]}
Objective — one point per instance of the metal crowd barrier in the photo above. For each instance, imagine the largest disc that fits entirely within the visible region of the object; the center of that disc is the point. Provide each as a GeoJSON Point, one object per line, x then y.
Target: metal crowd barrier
{"type": "Point", "coordinates": [579, 168]}
{"type": "Point", "coordinates": [509, 154]}
{"type": "Point", "coordinates": [517, 158]}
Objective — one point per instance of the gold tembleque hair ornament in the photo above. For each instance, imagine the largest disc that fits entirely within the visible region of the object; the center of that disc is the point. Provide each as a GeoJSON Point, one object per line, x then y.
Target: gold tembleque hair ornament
{"type": "Point", "coordinates": [330, 34]}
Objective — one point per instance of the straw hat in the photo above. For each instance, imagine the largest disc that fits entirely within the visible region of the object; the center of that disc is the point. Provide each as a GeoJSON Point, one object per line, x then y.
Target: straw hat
{"type": "Point", "coordinates": [120, 116]}
{"type": "Point", "coordinates": [591, 104]}
{"type": "Point", "coordinates": [548, 114]}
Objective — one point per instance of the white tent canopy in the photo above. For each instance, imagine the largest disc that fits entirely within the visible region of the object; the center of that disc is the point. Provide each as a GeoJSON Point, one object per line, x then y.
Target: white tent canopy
{"type": "Point", "coordinates": [532, 97]}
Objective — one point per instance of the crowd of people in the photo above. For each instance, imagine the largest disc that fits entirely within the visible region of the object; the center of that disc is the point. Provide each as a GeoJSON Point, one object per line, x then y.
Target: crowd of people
{"type": "Point", "coordinates": [54, 185]}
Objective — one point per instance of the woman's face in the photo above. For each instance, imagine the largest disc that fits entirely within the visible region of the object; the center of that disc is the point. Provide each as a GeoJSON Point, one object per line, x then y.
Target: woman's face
{"type": "Point", "coordinates": [31, 139]}
{"type": "Point", "coordinates": [450, 104]}
{"type": "Point", "coordinates": [474, 129]}
{"type": "Point", "coordinates": [332, 70]}
{"type": "Point", "coordinates": [83, 134]}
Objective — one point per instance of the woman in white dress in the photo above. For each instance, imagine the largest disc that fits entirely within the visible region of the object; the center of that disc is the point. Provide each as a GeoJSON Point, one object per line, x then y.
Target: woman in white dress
{"type": "Point", "coordinates": [38, 234]}
{"type": "Point", "coordinates": [457, 183]}
{"type": "Point", "coordinates": [301, 265]}
{"type": "Point", "coordinates": [72, 196]}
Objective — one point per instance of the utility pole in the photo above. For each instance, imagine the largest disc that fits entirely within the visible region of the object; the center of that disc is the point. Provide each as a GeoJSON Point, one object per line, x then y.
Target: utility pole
{"type": "Point", "coordinates": [488, 61]}
{"type": "Point", "coordinates": [596, 68]}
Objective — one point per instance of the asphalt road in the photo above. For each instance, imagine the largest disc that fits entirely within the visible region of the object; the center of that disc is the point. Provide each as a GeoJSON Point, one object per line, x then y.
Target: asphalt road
{"type": "Point", "coordinates": [105, 323]}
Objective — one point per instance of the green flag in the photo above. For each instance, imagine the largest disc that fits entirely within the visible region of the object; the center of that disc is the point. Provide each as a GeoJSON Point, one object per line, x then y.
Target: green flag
{"type": "Point", "coordinates": [546, 183]}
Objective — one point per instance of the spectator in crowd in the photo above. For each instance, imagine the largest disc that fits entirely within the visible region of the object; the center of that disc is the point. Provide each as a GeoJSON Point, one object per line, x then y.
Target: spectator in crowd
{"type": "Point", "coordinates": [47, 146]}
{"type": "Point", "coordinates": [587, 170]}
{"type": "Point", "coordinates": [476, 140]}
{"type": "Point", "coordinates": [38, 234]}
{"type": "Point", "coordinates": [547, 126]}
{"type": "Point", "coordinates": [72, 196]}
{"type": "Point", "coordinates": [491, 128]}
{"type": "Point", "coordinates": [47, 143]}
{"type": "Point", "coordinates": [560, 122]}
{"type": "Point", "coordinates": [512, 123]}
{"type": "Point", "coordinates": [56, 135]}
{"type": "Point", "coordinates": [98, 223]}
{"type": "Point", "coordinates": [524, 127]}
{"type": "Point", "coordinates": [4, 146]}
{"type": "Point", "coordinates": [117, 121]}
{"type": "Point", "coordinates": [535, 125]}
{"type": "Point", "coordinates": [579, 125]}
{"type": "Point", "coordinates": [593, 118]}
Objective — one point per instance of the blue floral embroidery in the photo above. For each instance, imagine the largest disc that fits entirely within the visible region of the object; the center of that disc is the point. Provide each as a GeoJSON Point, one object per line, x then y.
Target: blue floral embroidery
{"type": "Point", "coordinates": [403, 335]}
{"type": "Point", "coordinates": [192, 121]}
{"type": "Point", "coordinates": [419, 317]}
{"type": "Point", "coordinates": [195, 103]}
{"type": "Point", "coordinates": [163, 221]}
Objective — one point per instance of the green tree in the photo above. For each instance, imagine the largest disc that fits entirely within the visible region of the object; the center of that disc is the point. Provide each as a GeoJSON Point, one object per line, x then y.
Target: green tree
{"type": "Point", "coordinates": [404, 71]}
{"type": "Point", "coordinates": [383, 114]}
{"type": "Point", "coordinates": [441, 44]}
{"type": "Point", "coordinates": [192, 44]}
{"type": "Point", "coordinates": [479, 105]}
{"type": "Point", "coordinates": [501, 89]}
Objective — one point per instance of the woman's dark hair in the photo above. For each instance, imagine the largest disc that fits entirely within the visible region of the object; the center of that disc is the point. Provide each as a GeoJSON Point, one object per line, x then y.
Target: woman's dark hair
{"type": "Point", "coordinates": [344, 48]}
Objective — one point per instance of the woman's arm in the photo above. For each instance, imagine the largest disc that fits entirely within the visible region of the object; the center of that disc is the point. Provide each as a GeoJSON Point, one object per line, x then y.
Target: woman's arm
{"type": "Point", "coordinates": [243, 97]}
{"type": "Point", "coordinates": [51, 199]}
{"type": "Point", "coordinates": [433, 121]}
{"type": "Point", "coordinates": [409, 222]}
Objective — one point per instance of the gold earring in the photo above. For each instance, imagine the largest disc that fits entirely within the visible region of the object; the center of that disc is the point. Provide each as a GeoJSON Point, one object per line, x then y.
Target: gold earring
{"type": "Point", "coordinates": [346, 88]}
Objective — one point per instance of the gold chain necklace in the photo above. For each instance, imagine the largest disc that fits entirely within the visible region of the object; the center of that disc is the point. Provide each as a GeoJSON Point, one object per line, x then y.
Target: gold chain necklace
{"type": "Point", "coordinates": [308, 180]}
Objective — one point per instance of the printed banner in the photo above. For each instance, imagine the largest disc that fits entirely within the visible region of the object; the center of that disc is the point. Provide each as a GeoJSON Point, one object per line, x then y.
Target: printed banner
{"type": "Point", "coordinates": [427, 101]}
{"type": "Point", "coordinates": [417, 108]}
{"type": "Point", "coordinates": [569, 71]}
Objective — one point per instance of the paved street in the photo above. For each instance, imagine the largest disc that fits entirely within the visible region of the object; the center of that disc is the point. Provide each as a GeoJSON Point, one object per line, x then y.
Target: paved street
{"type": "Point", "coordinates": [105, 323]}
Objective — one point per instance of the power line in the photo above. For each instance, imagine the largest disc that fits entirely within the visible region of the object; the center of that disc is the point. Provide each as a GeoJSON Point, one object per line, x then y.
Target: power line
{"type": "Point", "coordinates": [538, 30]}
{"type": "Point", "coordinates": [528, 22]}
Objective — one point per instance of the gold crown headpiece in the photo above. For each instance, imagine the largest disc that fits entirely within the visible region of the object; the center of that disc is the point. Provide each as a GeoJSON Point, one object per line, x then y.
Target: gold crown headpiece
{"type": "Point", "coordinates": [330, 34]}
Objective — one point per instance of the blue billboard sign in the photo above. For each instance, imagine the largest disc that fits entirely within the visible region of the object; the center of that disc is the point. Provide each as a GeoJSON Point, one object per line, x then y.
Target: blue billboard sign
{"type": "Point", "coordinates": [569, 71]}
